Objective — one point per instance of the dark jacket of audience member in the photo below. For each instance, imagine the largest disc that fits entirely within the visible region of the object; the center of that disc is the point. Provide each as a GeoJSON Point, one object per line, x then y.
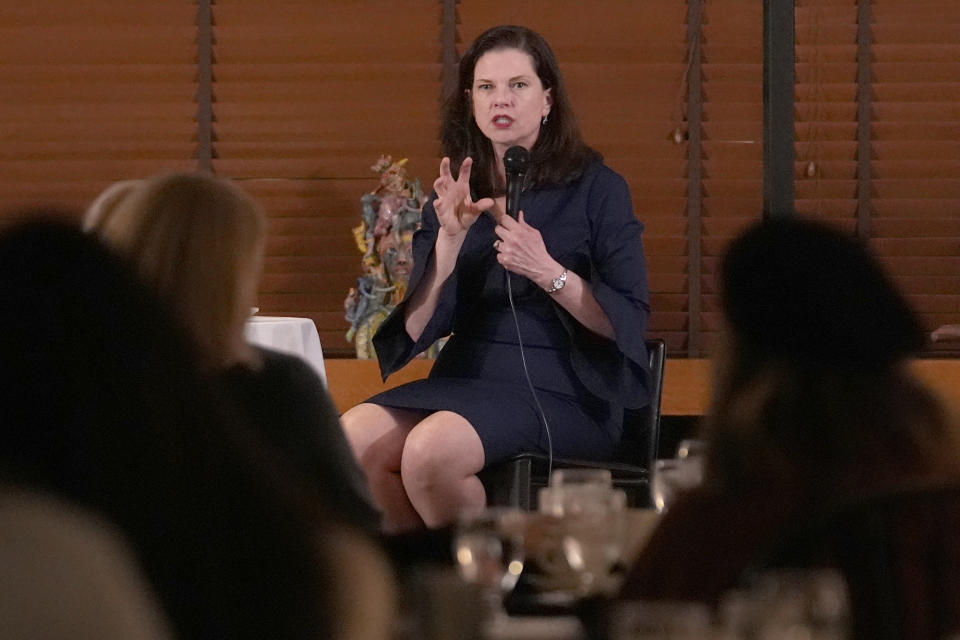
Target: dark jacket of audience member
{"type": "Point", "coordinates": [285, 394]}
{"type": "Point", "coordinates": [814, 408]}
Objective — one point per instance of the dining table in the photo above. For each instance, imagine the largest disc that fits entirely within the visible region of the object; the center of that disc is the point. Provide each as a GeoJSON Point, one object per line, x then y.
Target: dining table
{"type": "Point", "coordinates": [291, 335]}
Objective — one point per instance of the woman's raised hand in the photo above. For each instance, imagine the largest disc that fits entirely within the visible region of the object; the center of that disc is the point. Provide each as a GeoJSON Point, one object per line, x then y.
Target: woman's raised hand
{"type": "Point", "coordinates": [455, 207]}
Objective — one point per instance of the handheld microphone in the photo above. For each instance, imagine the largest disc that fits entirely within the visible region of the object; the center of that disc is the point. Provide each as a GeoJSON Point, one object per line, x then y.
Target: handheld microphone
{"type": "Point", "coordinates": [515, 161]}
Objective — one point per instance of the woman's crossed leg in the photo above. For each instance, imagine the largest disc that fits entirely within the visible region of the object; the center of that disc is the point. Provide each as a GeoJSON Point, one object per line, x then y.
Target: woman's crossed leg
{"type": "Point", "coordinates": [421, 466]}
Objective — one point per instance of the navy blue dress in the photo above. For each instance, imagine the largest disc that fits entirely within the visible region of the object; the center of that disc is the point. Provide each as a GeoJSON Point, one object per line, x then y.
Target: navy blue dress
{"type": "Point", "coordinates": [582, 381]}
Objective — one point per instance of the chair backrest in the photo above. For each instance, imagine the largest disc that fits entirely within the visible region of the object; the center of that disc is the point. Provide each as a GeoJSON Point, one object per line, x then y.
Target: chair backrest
{"type": "Point", "coordinates": [641, 427]}
{"type": "Point", "coordinates": [514, 481]}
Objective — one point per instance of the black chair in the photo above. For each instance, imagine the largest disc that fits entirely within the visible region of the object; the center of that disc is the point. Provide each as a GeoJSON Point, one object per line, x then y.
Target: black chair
{"type": "Point", "coordinates": [514, 482]}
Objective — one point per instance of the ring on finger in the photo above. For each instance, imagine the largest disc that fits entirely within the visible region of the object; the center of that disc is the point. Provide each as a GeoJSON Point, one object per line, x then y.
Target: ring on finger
{"type": "Point", "coordinates": [496, 244]}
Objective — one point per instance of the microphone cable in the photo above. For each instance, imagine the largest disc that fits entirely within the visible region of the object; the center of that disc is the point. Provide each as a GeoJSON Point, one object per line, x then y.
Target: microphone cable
{"type": "Point", "coordinates": [516, 160]}
{"type": "Point", "coordinates": [526, 373]}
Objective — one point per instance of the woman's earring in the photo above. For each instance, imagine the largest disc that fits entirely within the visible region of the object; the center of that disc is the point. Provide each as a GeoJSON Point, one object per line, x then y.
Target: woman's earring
{"type": "Point", "coordinates": [544, 121]}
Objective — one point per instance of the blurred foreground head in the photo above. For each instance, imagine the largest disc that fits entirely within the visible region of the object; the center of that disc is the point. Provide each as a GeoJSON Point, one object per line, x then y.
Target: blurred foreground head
{"type": "Point", "coordinates": [198, 240]}
{"type": "Point", "coordinates": [102, 404]}
{"type": "Point", "coordinates": [82, 339]}
{"type": "Point", "coordinates": [802, 292]}
{"type": "Point", "coordinates": [810, 382]}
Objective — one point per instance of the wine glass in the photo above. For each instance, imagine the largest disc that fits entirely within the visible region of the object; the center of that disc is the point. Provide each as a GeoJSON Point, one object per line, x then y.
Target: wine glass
{"type": "Point", "coordinates": [588, 531]}
{"type": "Point", "coordinates": [809, 603]}
{"type": "Point", "coordinates": [673, 475]}
{"type": "Point", "coordinates": [488, 547]}
{"type": "Point", "coordinates": [582, 478]}
{"type": "Point", "coordinates": [593, 540]}
{"type": "Point", "coordinates": [691, 448]}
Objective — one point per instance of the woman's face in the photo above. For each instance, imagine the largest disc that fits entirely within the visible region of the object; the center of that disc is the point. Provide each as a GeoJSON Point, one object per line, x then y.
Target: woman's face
{"type": "Point", "coordinates": [509, 100]}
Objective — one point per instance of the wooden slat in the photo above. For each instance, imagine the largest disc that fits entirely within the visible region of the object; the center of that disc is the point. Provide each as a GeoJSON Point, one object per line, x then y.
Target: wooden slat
{"type": "Point", "coordinates": [306, 99]}
{"type": "Point", "coordinates": [732, 186]}
{"type": "Point", "coordinates": [916, 181]}
{"type": "Point", "coordinates": [92, 94]}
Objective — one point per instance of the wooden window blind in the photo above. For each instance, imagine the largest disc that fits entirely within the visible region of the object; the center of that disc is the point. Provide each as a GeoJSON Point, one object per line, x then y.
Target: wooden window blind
{"type": "Point", "coordinates": [732, 131]}
{"type": "Point", "coordinates": [915, 162]}
{"type": "Point", "coordinates": [904, 196]}
{"type": "Point", "coordinates": [826, 111]}
{"type": "Point", "coordinates": [307, 95]}
{"type": "Point", "coordinates": [624, 62]}
{"type": "Point", "coordinates": [93, 93]}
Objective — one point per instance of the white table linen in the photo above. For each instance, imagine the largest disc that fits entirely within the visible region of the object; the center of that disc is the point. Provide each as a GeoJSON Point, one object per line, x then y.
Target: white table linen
{"type": "Point", "coordinates": [296, 336]}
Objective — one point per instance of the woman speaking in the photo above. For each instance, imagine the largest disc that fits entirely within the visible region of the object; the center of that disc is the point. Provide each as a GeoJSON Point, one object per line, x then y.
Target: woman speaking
{"type": "Point", "coordinates": [547, 311]}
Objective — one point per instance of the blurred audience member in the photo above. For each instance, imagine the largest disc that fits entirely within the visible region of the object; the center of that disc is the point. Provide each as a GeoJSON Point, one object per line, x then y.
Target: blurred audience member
{"type": "Point", "coordinates": [199, 241]}
{"type": "Point", "coordinates": [104, 204]}
{"type": "Point", "coordinates": [813, 407]}
{"type": "Point", "coordinates": [102, 404]}
{"type": "Point", "coordinates": [67, 574]}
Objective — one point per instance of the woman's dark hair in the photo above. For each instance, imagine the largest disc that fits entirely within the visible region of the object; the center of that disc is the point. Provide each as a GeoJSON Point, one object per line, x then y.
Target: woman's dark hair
{"type": "Point", "coordinates": [559, 155]}
{"type": "Point", "coordinates": [809, 383]}
{"type": "Point", "coordinates": [102, 403]}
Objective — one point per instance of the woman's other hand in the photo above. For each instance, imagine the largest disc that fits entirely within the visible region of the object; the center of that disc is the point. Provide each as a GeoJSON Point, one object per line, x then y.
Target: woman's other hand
{"type": "Point", "coordinates": [520, 250]}
{"type": "Point", "coordinates": [454, 205]}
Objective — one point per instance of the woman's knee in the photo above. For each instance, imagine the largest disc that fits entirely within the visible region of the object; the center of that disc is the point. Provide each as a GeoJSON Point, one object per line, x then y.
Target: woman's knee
{"type": "Point", "coordinates": [358, 425]}
{"type": "Point", "coordinates": [441, 448]}
{"type": "Point", "coordinates": [374, 436]}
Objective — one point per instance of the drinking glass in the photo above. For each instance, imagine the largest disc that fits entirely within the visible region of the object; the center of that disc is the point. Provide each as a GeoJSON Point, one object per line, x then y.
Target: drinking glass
{"type": "Point", "coordinates": [665, 482]}
{"type": "Point", "coordinates": [587, 530]}
{"type": "Point", "coordinates": [577, 489]}
{"type": "Point", "coordinates": [585, 478]}
{"type": "Point", "coordinates": [673, 475]}
{"type": "Point", "coordinates": [489, 550]}
{"type": "Point", "coordinates": [808, 603]}
{"type": "Point", "coordinates": [691, 448]}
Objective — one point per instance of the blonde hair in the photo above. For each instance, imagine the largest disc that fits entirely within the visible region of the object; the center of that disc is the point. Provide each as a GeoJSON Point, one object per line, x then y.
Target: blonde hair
{"type": "Point", "coordinates": [106, 203]}
{"type": "Point", "coordinates": [199, 241]}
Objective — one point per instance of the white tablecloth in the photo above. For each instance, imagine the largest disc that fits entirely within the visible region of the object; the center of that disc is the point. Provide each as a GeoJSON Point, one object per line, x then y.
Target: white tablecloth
{"type": "Point", "coordinates": [296, 336]}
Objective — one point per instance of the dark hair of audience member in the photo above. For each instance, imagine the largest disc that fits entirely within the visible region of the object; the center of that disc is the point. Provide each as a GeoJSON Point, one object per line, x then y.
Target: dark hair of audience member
{"type": "Point", "coordinates": [101, 404]}
{"type": "Point", "coordinates": [811, 368]}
